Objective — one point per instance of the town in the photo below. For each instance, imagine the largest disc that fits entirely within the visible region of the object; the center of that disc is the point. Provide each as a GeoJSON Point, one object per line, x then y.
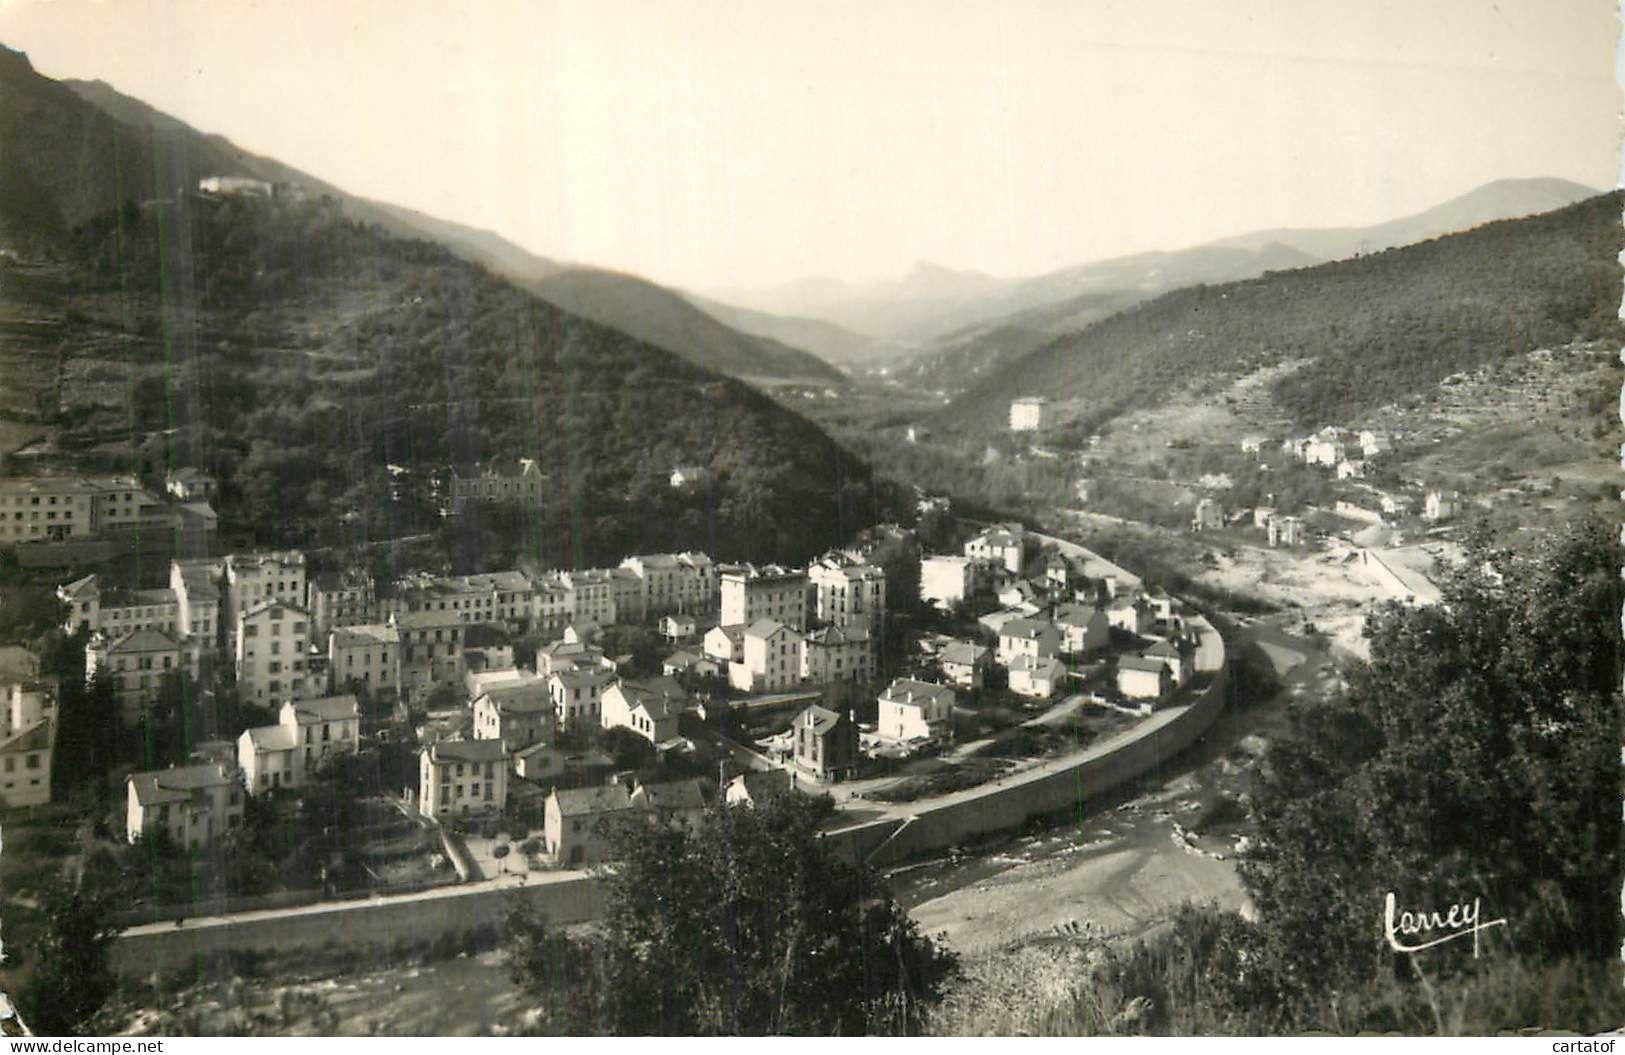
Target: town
{"type": "Point", "coordinates": [509, 690]}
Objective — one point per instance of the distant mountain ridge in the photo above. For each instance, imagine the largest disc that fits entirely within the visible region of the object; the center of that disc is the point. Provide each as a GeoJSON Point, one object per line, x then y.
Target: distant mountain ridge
{"type": "Point", "coordinates": [1373, 329]}
{"type": "Point", "coordinates": [939, 310]}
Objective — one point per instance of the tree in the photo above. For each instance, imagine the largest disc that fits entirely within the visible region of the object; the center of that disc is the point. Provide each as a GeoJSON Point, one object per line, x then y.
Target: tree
{"type": "Point", "coordinates": [500, 852]}
{"type": "Point", "coordinates": [71, 979]}
{"type": "Point", "coordinates": [749, 926]}
{"type": "Point", "coordinates": [1471, 758]}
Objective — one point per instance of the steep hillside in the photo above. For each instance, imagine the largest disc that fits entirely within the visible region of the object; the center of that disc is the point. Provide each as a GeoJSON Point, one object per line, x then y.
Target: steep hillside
{"type": "Point", "coordinates": [1370, 330]}
{"type": "Point", "coordinates": [1111, 286]}
{"type": "Point", "coordinates": [110, 145]}
{"type": "Point", "coordinates": [1501, 200]}
{"type": "Point", "coordinates": [297, 353]}
{"type": "Point", "coordinates": [662, 318]}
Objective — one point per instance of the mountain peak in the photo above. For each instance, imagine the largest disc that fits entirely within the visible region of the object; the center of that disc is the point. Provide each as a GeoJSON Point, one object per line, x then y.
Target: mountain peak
{"type": "Point", "coordinates": [12, 61]}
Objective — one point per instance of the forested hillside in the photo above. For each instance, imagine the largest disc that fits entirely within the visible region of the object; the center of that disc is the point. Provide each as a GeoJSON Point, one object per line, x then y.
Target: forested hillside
{"type": "Point", "coordinates": [1373, 330]}
{"type": "Point", "coordinates": [297, 353]}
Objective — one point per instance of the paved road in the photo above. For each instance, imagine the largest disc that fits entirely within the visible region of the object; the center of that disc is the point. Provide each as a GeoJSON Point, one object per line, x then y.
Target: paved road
{"type": "Point", "coordinates": [433, 894]}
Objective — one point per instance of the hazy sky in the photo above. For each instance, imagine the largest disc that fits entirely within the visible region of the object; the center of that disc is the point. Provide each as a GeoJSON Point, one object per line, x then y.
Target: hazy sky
{"type": "Point", "coordinates": [743, 144]}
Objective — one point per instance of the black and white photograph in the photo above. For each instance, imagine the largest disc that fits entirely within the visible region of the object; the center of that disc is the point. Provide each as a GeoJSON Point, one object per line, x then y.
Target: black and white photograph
{"type": "Point", "coordinates": [881, 518]}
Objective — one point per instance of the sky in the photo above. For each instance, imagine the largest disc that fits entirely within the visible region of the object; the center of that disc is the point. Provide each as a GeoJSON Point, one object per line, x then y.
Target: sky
{"type": "Point", "coordinates": [713, 144]}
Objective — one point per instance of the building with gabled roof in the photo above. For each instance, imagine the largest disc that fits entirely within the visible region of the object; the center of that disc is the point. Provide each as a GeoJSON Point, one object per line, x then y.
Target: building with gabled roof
{"type": "Point", "coordinates": [365, 655]}
{"type": "Point", "coordinates": [965, 663]}
{"type": "Point", "coordinates": [825, 744]}
{"type": "Point", "coordinates": [517, 481]}
{"type": "Point", "coordinates": [1037, 638]}
{"type": "Point", "coordinates": [1002, 544]}
{"type": "Point", "coordinates": [135, 664]}
{"type": "Point", "coordinates": [916, 710]}
{"type": "Point", "coordinates": [193, 804]}
{"type": "Point", "coordinates": [679, 802]}
{"type": "Point", "coordinates": [517, 712]}
{"type": "Point", "coordinates": [578, 695]}
{"type": "Point", "coordinates": [25, 763]}
{"type": "Point", "coordinates": [457, 778]}
{"type": "Point", "coordinates": [650, 708]}
{"type": "Point", "coordinates": [837, 653]}
{"type": "Point", "coordinates": [1084, 628]}
{"type": "Point", "coordinates": [308, 733]}
{"type": "Point", "coordinates": [577, 822]}
{"type": "Point", "coordinates": [771, 658]}
{"type": "Point", "coordinates": [1036, 677]}
{"type": "Point", "coordinates": [1139, 678]}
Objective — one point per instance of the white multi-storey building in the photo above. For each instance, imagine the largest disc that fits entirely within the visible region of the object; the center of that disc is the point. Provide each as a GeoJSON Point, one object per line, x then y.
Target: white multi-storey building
{"type": "Point", "coordinates": [750, 594]}
{"type": "Point", "coordinates": [252, 579]}
{"type": "Point", "coordinates": [271, 660]}
{"type": "Point", "coordinates": [847, 592]}
{"type": "Point", "coordinates": [307, 734]}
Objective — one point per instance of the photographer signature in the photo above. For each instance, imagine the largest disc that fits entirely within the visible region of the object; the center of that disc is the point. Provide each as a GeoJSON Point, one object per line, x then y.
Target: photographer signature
{"type": "Point", "coordinates": [1460, 921]}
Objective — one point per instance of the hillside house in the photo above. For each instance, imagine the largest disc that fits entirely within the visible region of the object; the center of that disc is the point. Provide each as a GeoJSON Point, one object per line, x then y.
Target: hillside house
{"type": "Point", "coordinates": [1022, 594]}
{"type": "Point", "coordinates": [340, 599]}
{"type": "Point", "coordinates": [135, 664]}
{"type": "Point", "coordinates": [196, 584]}
{"type": "Point", "coordinates": [750, 594]}
{"type": "Point", "coordinates": [28, 729]}
{"type": "Point", "coordinates": [1253, 443]}
{"type": "Point", "coordinates": [649, 708]}
{"type": "Point", "coordinates": [1030, 414]}
{"type": "Point", "coordinates": [578, 822]}
{"type": "Point", "coordinates": [846, 592]}
{"type": "Point", "coordinates": [517, 712]}
{"type": "Point", "coordinates": [365, 655]}
{"type": "Point", "coordinates": [947, 580]}
{"type": "Point", "coordinates": [725, 644]}
{"type": "Point", "coordinates": [670, 582]}
{"type": "Point", "coordinates": [1139, 678]}
{"type": "Point", "coordinates": [307, 734]}
{"type": "Point", "coordinates": [193, 804]}
{"type": "Point", "coordinates": [1175, 654]}
{"type": "Point", "coordinates": [825, 744]}
{"type": "Point", "coordinates": [693, 664]}
{"type": "Point", "coordinates": [1034, 638]}
{"type": "Point", "coordinates": [1003, 544]}
{"type": "Point", "coordinates": [1209, 516]}
{"type": "Point", "coordinates": [965, 664]}
{"type": "Point", "coordinates": [1441, 505]}
{"type": "Point", "coordinates": [916, 710]}
{"type": "Point", "coordinates": [771, 661]}
{"type": "Point", "coordinates": [1351, 469]}
{"type": "Point", "coordinates": [1287, 531]}
{"type": "Point", "coordinates": [457, 778]}
{"type": "Point", "coordinates": [569, 655]}
{"type": "Point", "coordinates": [431, 651]}
{"type": "Point", "coordinates": [254, 579]}
{"type": "Point", "coordinates": [517, 482]}
{"type": "Point", "coordinates": [271, 660]}
{"type": "Point", "coordinates": [1397, 505]}
{"type": "Point", "coordinates": [1375, 444]}
{"type": "Point", "coordinates": [1036, 678]}
{"type": "Point", "coordinates": [1084, 629]}
{"type": "Point", "coordinates": [676, 802]}
{"type": "Point", "coordinates": [837, 653]}
{"type": "Point", "coordinates": [578, 695]}
{"type": "Point", "coordinates": [25, 763]}
{"type": "Point", "coordinates": [690, 477]}
{"type": "Point", "coordinates": [675, 628]}
{"type": "Point", "coordinates": [190, 485]}
{"type": "Point", "coordinates": [1130, 613]}
{"type": "Point", "coordinates": [46, 508]}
